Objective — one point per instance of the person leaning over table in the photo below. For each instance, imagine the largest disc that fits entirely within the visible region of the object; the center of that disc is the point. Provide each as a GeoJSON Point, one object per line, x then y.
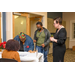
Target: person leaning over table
{"type": "Point", "coordinates": [10, 52]}
{"type": "Point", "coordinates": [59, 39]}
{"type": "Point", "coordinates": [26, 42]}
{"type": "Point", "coordinates": [41, 37]}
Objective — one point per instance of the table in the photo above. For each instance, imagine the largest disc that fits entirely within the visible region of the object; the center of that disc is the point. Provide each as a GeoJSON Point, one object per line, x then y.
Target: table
{"type": "Point", "coordinates": [29, 57]}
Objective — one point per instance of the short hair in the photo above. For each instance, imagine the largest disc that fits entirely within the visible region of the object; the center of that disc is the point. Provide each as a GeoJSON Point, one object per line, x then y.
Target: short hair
{"type": "Point", "coordinates": [58, 20]}
{"type": "Point", "coordinates": [12, 45]}
{"type": "Point", "coordinates": [40, 23]}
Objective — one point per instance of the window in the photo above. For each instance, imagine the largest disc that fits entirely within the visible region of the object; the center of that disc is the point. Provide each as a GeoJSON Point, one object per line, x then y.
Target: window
{"type": "Point", "coordinates": [72, 30]}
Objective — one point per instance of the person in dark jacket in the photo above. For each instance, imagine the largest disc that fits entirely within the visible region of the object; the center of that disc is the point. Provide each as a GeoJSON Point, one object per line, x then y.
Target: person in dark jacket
{"type": "Point", "coordinates": [59, 39]}
{"type": "Point", "coordinates": [41, 37]}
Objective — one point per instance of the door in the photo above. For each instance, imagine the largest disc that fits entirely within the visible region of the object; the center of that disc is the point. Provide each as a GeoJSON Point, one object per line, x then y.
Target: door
{"type": "Point", "coordinates": [21, 23]}
{"type": "Point", "coordinates": [33, 21]}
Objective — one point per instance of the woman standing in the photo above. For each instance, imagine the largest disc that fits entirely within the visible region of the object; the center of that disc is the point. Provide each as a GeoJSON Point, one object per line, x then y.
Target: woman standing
{"type": "Point", "coordinates": [59, 39]}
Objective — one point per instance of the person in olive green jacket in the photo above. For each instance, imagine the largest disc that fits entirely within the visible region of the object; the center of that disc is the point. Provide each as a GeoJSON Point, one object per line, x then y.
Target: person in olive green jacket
{"type": "Point", "coordinates": [41, 37]}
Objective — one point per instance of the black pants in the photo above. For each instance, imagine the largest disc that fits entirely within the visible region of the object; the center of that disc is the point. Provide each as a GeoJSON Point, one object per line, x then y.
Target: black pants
{"type": "Point", "coordinates": [58, 56]}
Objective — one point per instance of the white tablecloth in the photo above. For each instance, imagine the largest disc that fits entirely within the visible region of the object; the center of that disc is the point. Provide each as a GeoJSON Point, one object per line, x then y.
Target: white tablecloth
{"type": "Point", "coordinates": [29, 57]}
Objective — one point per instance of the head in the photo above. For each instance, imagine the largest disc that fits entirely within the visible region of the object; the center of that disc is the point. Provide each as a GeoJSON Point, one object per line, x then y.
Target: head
{"type": "Point", "coordinates": [39, 25]}
{"type": "Point", "coordinates": [57, 22]}
{"type": "Point", "coordinates": [12, 45]}
{"type": "Point", "coordinates": [22, 37]}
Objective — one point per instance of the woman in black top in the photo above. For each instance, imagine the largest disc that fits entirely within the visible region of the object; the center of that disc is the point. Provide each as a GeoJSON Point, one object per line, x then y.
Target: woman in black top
{"type": "Point", "coordinates": [59, 39]}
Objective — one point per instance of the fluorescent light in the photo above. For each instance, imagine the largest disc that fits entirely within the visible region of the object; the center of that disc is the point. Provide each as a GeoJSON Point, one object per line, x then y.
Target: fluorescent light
{"type": "Point", "coordinates": [21, 22]}
{"type": "Point", "coordinates": [16, 13]}
{"type": "Point", "coordinates": [16, 16]}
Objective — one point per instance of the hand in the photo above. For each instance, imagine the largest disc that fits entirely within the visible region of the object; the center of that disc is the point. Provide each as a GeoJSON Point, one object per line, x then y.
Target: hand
{"type": "Point", "coordinates": [51, 38]}
{"type": "Point", "coordinates": [43, 45]}
{"type": "Point", "coordinates": [34, 41]}
{"type": "Point", "coordinates": [30, 51]}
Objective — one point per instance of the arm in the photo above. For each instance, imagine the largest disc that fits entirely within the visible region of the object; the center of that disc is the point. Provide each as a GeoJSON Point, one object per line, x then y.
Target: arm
{"type": "Point", "coordinates": [35, 35]}
{"type": "Point", "coordinates": [34, 38]}
{"type": "Point", "coordinates": [17, 57]}
{"type": "Point", "coordinates": [48, 40]}
{"type": "Point", "coordinates": [62, 38]}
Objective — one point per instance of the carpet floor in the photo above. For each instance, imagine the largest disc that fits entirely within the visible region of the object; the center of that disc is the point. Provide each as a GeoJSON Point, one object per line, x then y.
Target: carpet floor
{"type": "Point", "coordinates": [69, 56]}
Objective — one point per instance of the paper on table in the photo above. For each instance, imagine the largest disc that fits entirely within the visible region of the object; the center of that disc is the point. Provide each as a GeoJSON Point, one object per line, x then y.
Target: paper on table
{"type": "Point", "coordinates": [28, 54]}
{"type": "Point", "coordinates": [23, 53]}
{"type": "Point", "coordinates": [0, 54]}
{"type": "Point", "coordinates": [32, 54]}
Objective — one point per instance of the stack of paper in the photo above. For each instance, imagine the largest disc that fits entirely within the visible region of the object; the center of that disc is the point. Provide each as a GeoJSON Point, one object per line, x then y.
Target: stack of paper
{"type": "Point", "coordinates": [0, 54]}
{"type": "Point", "coordinates": [28, 54]}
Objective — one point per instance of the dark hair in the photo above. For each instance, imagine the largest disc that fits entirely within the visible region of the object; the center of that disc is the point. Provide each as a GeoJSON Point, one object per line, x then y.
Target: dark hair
{"type": "Point", "coordinates": [12, 45]}
{"type": "Point", "coordinates": [40, 23]}
{"type": "Point", "coordinates": [58, 20]}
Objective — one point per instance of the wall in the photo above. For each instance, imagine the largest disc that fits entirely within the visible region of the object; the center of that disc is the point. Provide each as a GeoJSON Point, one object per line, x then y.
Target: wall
{"type": "Point", "coordinates": [9, 26]}
{"type": "Point", "coordinates": [67, 16]}
{"type": "Point", "coordinates": [54, 14]}
{"type": "Point", "coordinates": [44, 18]}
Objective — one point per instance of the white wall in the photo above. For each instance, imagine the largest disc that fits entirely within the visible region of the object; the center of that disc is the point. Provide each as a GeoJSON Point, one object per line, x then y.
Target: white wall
{"type": "Point", "coordinates": [9, 27]}
{"type": "Point", "coordinates": [68, 16]}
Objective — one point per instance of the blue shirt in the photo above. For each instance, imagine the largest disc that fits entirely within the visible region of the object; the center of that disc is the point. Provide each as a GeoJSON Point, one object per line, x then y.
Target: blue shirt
{"type": "Point", "coordinates": [28, 42]}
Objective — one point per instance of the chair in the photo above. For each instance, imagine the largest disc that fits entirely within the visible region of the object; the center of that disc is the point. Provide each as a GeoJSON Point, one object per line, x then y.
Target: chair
{"type": "Point", "coordinates": [73, 48]}
{"type": "Point", "coordinates": [7, 60]}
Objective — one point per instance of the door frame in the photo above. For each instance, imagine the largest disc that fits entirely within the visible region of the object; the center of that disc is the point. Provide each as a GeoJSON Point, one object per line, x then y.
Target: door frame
{"type": "Point", "coordinates": [40, 18]}
{"type": "Point", "coordinates": [27, 23]}
{"type": "Point", "coordinates": [37, 20]}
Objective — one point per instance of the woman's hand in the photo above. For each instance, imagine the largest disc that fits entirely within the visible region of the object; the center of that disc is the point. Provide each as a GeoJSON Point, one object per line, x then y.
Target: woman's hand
{"type": "Point", "coordinates": [51, 38]}
{"type": "Point", "coordinates": [30, 51]}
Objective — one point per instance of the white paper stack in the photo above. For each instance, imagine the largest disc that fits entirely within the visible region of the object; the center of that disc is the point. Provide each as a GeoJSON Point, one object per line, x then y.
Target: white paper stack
{"type": "Point", "coordinates": [28, 54]}
{"type": "Point", "coordinates": [32, 54]}
{"type": "Point", "coordinates": [0, 54]}
{"type": "Point", "coordinates": [22, 54]}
